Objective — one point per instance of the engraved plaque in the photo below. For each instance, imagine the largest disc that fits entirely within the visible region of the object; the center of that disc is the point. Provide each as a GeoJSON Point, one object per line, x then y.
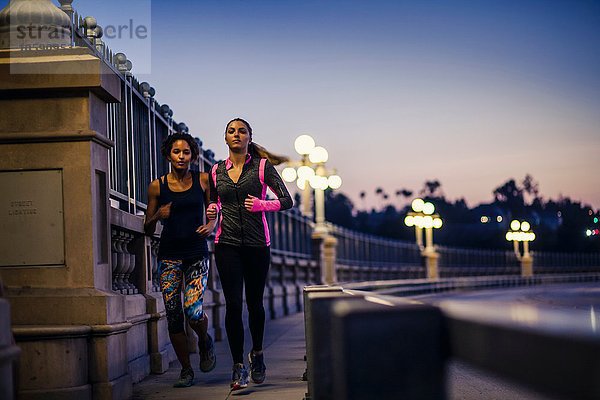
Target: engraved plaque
{"type": "Point", "coordinates": [31, 218]}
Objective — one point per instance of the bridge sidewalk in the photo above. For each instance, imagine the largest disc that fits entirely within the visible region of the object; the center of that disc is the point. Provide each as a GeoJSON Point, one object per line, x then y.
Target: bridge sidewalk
{"type": "Point", "coordinates": [284, 356]}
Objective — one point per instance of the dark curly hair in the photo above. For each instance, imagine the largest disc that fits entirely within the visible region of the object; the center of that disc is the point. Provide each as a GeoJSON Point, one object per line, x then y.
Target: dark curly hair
{"type": "Point", "coordinates": [167, 144]}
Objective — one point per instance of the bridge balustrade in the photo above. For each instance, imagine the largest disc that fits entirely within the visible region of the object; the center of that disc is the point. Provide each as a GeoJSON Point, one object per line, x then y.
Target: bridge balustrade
{"type": "Point", "coordinates": [476, 262]}
{"type": "Point", "coordinates": [556, 262]}
{"type": "Point", "coordinates": [366, 257]}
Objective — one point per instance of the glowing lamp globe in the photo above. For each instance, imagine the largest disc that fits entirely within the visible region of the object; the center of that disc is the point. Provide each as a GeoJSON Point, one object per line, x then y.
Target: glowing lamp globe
{"type": "Point", "coordinates": [318, 182]}
{"type": "Point", "coordinates": [417, 205]}
{"type": "Point", "coordinates": [289, 174]}
{"type": "Point", "coordinates": [428, 208]}
{"type": "Point", "coordinates": [318, 155]}
{"type": "Point", "coordinates": [515, 225]}
{"type": "Point", "coordinates": [409, 220]}
{"type": "Point", "coordinates": [427, 222]}
{"type": "Point", "coordinates": [525, 226]}
{"type": "Point", "coordinates": [305, 172]}
{"type": "Point", "coordinates": [304, 144]}
{"type": "Point", "coordinates": [437, 223]}
{"type": "Point", "coordinates": [334, 181]}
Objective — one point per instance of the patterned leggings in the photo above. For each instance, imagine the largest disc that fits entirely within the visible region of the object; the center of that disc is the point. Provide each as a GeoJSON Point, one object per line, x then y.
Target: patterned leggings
{"type": "Point", "coordinates": [173, 274]}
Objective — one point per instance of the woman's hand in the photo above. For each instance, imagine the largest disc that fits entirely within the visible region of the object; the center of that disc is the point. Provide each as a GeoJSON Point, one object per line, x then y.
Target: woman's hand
{"type": "Point", "coordinates": [249, 202]}
{"type": "Point", "coordinates": [206, 229]}
{"type": "Point", "coordinates": [164, 211]}
{"type": "Point", "coordinates": [211, 212]}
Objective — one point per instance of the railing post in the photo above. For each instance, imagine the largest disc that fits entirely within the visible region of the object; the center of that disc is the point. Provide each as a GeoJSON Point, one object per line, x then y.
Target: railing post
{"type": "Point", "coordinates": [431, 263]}
{"type": "Point", "coordinates": [324, 250]}
{"type": "Point", "coordinates": [526, 265]}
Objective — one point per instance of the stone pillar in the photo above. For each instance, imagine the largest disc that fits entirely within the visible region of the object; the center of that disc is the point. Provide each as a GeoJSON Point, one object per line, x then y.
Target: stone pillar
{"type": "Point", "coordinates": [55, 246]}
{"type": "Point", "coordinates": [431, 264]}
{"type": "Point", "coordinates": [9, 353]}
{"type": "Point", "coordinates": [527, 266]}
{"type": "Point", "coordinates": [324, 250]}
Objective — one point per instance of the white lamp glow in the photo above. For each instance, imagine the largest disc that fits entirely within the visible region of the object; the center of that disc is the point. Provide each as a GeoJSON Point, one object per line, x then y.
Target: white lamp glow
{"type": "Point", "coordinates": [304, 144]}
{"type": "Point", "coordinates": [515, 225]}
{"type": "Point", "coordinates": [334, 181]}
{"type": "Point", "coordinates": [305, 172]}
{"type": "Point", "coordinates": [318, 155]}
{"type": "Point", "coordinates": [428, 208]}
{"type": "Point", "coordinates": [417, 205]}
{"type": "Point", "coordinates": [289, 174]}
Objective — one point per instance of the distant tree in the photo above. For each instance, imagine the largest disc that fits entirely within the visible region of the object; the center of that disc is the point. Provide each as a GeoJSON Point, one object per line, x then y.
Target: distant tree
{"type": "Point", "coordinates": [531, 187]}
{"type": "Point", "coordinates": [363, 195]}
{"type": "Point", "coordinates": [508, 192]}
{"type": "Point", "coordinates": [339, 209]}
{"type": "Point", "coordinates": [407, 193]}
{"type": "Point", "coordinates": [432, 189]}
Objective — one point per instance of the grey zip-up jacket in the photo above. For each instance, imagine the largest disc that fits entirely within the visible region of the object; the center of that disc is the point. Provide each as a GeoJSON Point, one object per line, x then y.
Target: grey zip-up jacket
{"type": "Point", "coordinates": [238, 226]}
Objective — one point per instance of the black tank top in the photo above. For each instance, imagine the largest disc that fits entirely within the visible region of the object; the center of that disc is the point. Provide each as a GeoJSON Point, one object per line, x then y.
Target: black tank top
{"type": "Point", "coordinates": [179, 239]}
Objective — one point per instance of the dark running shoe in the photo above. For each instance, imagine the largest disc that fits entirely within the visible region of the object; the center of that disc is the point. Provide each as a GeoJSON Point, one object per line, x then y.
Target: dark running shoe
{"type": "Point", "coordinates": [239, 377]}
{"type": "Point", "coordinates": [208, 359]}
{"type": "Point", "coordinates": [257, 367]}
{"type": "Point", "coordinates": [186, 378]}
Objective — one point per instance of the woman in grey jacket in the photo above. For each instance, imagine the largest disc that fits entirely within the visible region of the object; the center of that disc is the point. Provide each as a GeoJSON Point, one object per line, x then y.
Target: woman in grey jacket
{"type": "Point", "coordinates": [238, 188]}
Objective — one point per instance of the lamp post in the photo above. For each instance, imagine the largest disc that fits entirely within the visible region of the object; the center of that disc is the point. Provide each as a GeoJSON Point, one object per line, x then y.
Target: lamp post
{"type": "Point", "coordinates": [521, 232]}
{"type": "Point", "coordinates": [310, 172]}
{"type": "Point", "coordinates": [422, 217]}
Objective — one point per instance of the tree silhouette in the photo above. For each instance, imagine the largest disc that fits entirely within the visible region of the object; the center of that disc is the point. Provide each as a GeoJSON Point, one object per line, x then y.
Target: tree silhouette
{"type": "Point", "coordinates": [432, 189]}
{"type": "Point", "coordinates": [509, 192]}
{"type": "Point", "coordinates": [531, 187]}
{"type": "Point", "coordinates": [363, 195]}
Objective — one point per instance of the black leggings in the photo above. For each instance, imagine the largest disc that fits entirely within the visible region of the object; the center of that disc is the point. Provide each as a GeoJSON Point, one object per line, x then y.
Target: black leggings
{"type": "Point", "coordinates": [239, 265]}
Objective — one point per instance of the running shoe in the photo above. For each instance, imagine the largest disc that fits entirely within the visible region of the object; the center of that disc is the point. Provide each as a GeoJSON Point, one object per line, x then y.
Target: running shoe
{"type": "Point", "coordinates": [208, 359]}
{"type": "Point", "coordinates": [186, 378]}
{"type": "Point", "coordinates": [257, 367]}
{"type": "Point", "coordinates": [239, 377]}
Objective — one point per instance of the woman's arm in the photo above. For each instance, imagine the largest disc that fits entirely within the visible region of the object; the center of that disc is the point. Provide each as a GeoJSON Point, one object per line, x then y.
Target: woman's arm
{"type": "Point", "coordinates": [153, 212]}
{"type": "Point", "coordinates": [274, 181]}
{"type": "Point", "coordinates": [206, 229]}
{"type": "Point", "coordinates": [213, 203]}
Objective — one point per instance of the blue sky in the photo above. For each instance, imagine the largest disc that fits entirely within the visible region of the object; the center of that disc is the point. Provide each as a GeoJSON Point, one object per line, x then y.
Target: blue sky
{"type": "Point", "coordinates": [471, 93]}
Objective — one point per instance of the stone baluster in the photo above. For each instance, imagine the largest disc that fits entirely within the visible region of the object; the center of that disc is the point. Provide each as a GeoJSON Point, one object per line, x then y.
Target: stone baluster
{"type": "Point", "coordinates": [114, 258]}
{"type": "Point", "coordinates": [131, 288]}
{"type": "Point", "coordinates": [123, 260]}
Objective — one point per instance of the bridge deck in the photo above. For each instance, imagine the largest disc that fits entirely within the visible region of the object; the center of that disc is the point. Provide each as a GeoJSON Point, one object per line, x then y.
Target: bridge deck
{"type": "Point", "coordinates": [284, 356]}
{"type": "Point", "coordinates": [284, 352]}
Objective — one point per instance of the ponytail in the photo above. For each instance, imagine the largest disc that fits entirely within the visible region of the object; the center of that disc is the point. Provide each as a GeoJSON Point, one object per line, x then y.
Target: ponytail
{"type": "Point", "coordinates": [256, 150]}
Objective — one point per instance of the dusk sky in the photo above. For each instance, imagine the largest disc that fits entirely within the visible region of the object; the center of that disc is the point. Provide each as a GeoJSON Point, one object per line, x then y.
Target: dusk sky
{"type": "Point", "coordinates": [471, 93]}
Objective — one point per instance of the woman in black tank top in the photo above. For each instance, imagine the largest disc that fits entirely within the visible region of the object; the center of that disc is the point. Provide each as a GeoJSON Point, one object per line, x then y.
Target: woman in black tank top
{"type": "Point", "coordinates": [178, 200]}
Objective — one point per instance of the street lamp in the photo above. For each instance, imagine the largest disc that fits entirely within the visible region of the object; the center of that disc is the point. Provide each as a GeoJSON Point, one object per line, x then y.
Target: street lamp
{"type": "Point", "coordinates": [521, 232]}
{"type": "Point", "coordinates": [422, 217]}
{"type": "Point", "coordinates": [310, 172]}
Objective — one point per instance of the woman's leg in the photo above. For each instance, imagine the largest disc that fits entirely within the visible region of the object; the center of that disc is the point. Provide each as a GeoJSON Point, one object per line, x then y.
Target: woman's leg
{"type": "Point", "coordinates": [171, 278]}
{"type": "Point", "coordinates": [256, 269]}
{"type": "Point", "coordinates": [229, 265]}
{"type": "Point", "coordinates": [196, 277]}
